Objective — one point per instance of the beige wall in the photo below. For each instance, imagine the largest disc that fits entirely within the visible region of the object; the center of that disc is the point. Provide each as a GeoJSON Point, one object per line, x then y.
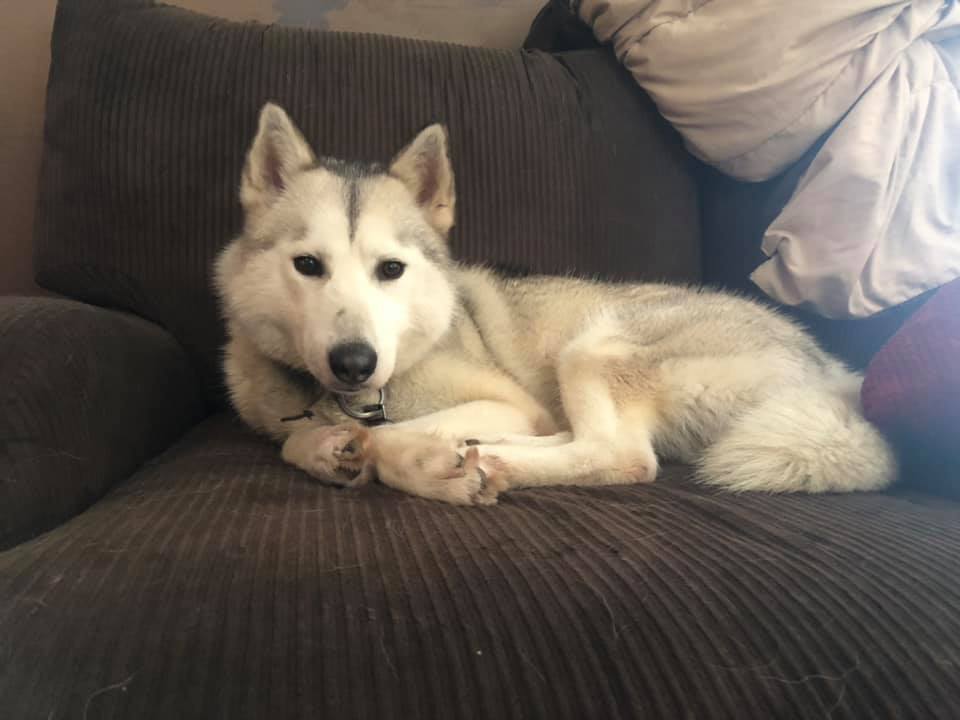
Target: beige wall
{"type": "Point", "coordinates": [24, 58]}
{"type": "Point", "coordinates": [25, 54]}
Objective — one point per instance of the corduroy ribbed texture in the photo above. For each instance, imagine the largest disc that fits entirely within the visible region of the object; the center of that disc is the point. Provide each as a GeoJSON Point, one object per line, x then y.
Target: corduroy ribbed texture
{"type": "Point", "coordinates": [220, 583]}
{"type": "Point", "coordinates": [87, 395]}
{"type": "Point", "coordinates": [561, 164]}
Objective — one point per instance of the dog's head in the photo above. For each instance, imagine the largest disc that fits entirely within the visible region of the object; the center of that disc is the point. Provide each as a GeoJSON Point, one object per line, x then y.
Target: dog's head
{"type": "Point", "coordinates": [342, 268]}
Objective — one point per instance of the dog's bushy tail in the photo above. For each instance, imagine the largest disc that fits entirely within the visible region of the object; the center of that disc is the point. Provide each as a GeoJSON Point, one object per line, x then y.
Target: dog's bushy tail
{"type": "Point", "coordinates": [802, 440]}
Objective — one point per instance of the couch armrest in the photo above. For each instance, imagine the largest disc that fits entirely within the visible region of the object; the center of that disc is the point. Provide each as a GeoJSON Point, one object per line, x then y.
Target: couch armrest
{"type": "Point", "coordinates": [86, 396]}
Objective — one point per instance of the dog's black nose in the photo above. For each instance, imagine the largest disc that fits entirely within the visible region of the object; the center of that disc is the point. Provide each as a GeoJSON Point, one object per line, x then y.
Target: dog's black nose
{"type": "Point", "coordinates": [353, 362]}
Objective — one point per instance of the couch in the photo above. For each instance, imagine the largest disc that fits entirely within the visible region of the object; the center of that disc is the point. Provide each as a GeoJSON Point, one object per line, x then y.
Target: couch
{"type": "Point", "coordinates": [158, 560]}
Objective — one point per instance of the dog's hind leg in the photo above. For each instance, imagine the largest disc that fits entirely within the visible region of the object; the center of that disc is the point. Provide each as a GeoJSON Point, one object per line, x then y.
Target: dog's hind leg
{"type": "Point", "coordinates": [609, 397]}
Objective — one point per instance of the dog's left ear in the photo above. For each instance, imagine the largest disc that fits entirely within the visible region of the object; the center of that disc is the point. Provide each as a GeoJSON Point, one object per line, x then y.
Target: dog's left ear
{"type": "Point", "coordinates": [424, 167]}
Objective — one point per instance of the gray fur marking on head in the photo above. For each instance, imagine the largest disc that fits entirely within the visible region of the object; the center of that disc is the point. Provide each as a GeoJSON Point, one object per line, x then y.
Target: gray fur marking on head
{"type": "Point", "coordinates": [352, 174]}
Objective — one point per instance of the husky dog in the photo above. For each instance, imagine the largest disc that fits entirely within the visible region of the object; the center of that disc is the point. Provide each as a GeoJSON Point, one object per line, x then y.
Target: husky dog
{"type": "Point", "coordinates": [342, 302]}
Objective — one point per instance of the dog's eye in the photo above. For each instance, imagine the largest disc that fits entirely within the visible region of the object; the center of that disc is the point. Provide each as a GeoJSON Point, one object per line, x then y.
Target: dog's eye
{"type": "Point", "coordinates": [391, 269]}
{"type": "Point", "coordinates": [308, 265]}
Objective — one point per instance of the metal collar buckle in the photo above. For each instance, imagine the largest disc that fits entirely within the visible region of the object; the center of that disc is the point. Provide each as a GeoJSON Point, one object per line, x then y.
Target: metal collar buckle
{"type": "Point", "coordinates": [367, 414]}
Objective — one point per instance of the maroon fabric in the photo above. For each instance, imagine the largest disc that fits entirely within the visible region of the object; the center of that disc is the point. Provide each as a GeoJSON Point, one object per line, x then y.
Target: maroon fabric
{"type": "Point", "coordinates": [912, 386]}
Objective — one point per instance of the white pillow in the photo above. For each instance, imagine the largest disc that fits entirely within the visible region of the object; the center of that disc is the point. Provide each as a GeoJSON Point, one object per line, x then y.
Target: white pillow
{"type": "Point", "coordinates": [751, 84]}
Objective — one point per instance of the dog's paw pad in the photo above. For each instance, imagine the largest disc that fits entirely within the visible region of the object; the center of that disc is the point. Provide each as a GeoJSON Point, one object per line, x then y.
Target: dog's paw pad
{"type": "Point", "coordinates": [345, 447]}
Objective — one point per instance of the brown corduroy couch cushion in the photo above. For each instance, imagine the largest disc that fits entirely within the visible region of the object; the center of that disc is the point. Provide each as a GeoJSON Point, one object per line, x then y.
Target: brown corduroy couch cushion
{"type": "Point", "coordinates": [87, 395]}
{"type": "Point", "coordinates": [561, 165]}
{"type": "Point", "coordinates": [220, 583]}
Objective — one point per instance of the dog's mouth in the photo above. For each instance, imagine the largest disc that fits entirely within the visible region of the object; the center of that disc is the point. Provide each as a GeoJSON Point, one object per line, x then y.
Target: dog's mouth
{"type": "Point", "coordinates": [359, 392]}
{"type": "Point", "coordinates": [329, 382]}
{"type": "Point", "coordinates": [349, 391]}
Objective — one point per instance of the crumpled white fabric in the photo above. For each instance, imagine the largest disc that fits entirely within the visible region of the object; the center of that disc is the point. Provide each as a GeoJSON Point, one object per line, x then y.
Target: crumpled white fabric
{"type": "Point", "coordinates": [752, 84]}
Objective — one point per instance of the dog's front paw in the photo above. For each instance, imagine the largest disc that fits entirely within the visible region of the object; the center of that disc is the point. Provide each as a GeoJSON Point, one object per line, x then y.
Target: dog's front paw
{"type": "Point", "coordinates": [431, 467]}
{"type": "Point", "coordinates": [472, 485]}
{"type": "Point", "coordinates": [336, 454]}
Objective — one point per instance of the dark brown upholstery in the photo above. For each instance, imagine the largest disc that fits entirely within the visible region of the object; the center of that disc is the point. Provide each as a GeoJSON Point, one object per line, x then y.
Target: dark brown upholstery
{"type": "Point", "coordinates": [88, 395]}
{"type": "Point", "coordinates": [216, 582]}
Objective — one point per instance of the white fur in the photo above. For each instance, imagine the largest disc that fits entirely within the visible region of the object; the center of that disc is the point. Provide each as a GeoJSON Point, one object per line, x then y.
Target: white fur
{"type": "Point", "coordinates": [561, 381]}
{"type": "Point", "coordinates": [800, 440]}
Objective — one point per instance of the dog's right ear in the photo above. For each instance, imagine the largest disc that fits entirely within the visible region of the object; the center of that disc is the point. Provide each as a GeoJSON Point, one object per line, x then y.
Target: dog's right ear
{"type": "Point", "coordinates": [278, 153]}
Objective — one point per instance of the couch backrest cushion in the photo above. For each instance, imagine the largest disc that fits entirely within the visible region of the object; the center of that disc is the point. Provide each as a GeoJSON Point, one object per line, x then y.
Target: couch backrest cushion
{"type": "Point", "coordinates": [561, 164]}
